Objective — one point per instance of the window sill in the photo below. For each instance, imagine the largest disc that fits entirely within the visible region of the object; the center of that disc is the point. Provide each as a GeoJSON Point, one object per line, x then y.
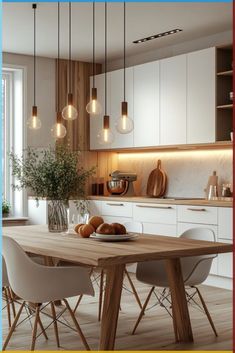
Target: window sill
{"type": "Point", "coordinates": [14, 221]}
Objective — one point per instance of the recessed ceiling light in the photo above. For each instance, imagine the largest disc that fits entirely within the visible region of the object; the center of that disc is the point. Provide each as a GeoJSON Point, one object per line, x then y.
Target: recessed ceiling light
{"type": "Point", "coordinates": [159, 35]}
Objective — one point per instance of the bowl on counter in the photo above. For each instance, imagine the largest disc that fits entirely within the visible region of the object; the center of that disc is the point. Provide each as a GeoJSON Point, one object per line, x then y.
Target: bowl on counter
{"type": "Point", "coordinates": [117, 187]}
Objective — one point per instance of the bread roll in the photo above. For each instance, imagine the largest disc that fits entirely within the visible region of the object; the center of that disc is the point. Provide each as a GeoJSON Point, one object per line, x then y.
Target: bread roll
{"type": "Point", "coordinates": [105, 228]}
{"type": "Point", "coordinates": [96, 221]}
{"type": "Point", "coordinates": [119, 228]}
{"type": "Point", "coordinates": [76, 228]}
{"type": "Point", "coordinates": [86, 230]}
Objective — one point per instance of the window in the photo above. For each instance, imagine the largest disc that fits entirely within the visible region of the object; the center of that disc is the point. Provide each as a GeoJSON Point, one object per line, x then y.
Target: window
{"type": "Point", "coordinates": [12, 133]}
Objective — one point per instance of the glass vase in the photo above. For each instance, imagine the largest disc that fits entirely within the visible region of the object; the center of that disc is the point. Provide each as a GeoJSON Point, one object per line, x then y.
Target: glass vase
{"type": "Point", "coordinates": [57, 216]}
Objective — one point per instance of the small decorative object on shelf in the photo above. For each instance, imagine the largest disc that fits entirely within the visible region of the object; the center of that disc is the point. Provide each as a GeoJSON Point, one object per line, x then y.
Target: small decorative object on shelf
{"type": "Point", "coordinates": [6, 208]}
{"type": "Point", "coordinates": [54, 174]}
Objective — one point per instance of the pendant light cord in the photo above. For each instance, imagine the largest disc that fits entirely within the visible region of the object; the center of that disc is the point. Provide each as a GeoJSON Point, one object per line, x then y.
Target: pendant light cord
{"type": "Point", "coordinates": [124, 49]}
{"type": "Point", "coordinates": [93, 34]}
{"type": "Point", "coordinates": [58, 62]}
{"type": "Point", "coordinates": [105, 56]}
{"type": "Point", "coordinates": [34, 53]}
{"type": "Point", "coordinates": [70, 46]}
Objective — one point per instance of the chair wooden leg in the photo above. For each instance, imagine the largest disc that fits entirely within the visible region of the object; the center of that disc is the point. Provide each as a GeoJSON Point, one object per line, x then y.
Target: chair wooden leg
{"type": "Point", "coordinates": [206, 312]}
{"type": "Point", "coordinates": [42, 328]}
{"type": "Point", "coordinates": [55, 324]}
{"type": "Point", "coordinates": [101, 294]}
{"type": "Point", "coordinates": [133, 289]}
{"type": "Point", "coordinates": [34, 333]}
{"type": "Point", "coordinates": [8, 306]}
{"type": "Point", "coordinates": [142, 310]}
{"type": "Point", "coordinates": [11, 296]}
{"type": "Point", "coordinates": [13, 327]}
{"type": "Point", "coordinates": [77, 325]}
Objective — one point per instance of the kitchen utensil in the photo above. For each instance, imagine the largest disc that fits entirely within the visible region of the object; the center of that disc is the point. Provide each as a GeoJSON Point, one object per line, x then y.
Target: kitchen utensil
{"type": "Point", "coordinates": [231, 96]}
{"type": "Point", "coordinates": [226, 190]}
{"type": "Point", "coordinates": [231, 135]}
{"type": "Point", "coordinates": [121, 183]}
{"type": "Point", "coordinates": [212, 181]}
{"type": "Point", "coordinates": [213, 192]}
{"type": "Point", "coordinates": [157, 182]}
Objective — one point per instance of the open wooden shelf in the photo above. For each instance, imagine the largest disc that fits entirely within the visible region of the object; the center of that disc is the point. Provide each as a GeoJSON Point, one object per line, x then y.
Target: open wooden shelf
{"type": "Point", "coordinates": [225, 106]}
{"type": "Point", "coordinates": [225, 73]}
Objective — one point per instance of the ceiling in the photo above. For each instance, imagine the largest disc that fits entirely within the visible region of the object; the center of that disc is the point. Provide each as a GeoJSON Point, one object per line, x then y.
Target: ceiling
{"type": "Point", "coordinates": [143, 19]}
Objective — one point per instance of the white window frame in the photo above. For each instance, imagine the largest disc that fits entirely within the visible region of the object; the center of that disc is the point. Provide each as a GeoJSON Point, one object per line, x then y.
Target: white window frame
{"type": "Point", "coordinates": [16, 130]}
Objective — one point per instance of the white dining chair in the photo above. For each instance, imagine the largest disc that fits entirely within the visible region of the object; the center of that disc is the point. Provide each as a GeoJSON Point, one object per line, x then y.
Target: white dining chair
{"type": "Point", "coordinates": [7, 294]}
{"type": "Point", "coordinates": [195, 270]}
{"type": "Point", "coordinates": [39, 284]}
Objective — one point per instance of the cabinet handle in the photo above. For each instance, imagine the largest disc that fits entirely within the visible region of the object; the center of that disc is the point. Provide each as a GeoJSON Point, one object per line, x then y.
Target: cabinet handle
{"type": "Point", "coordinates": [115, 204]}
{"type": "Point", "coordinates": [196, 209]}
{"type": "Point", "coordinates": [151, 206]}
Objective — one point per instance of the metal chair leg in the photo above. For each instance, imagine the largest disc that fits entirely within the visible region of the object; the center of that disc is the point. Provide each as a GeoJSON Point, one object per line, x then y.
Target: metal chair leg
{"type": "Point", "coordinates": [77, 325]}
{"type": "Point", "coordinates": [206, 312]}
{"type": "Point", "coordinates": [142, 310]}
{"type": "Point", "coordinates": [13, 327]}
{"type": "Point", "coordinates": [133, 289]}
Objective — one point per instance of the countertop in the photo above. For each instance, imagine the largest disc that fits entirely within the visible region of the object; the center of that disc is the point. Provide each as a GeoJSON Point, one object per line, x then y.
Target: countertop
{"type": "Point", "coordinates": [143, 199]}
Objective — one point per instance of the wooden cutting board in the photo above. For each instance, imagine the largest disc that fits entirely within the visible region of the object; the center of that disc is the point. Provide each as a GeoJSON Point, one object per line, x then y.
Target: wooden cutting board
{"type": "Point", "coordinates": [157, 182]}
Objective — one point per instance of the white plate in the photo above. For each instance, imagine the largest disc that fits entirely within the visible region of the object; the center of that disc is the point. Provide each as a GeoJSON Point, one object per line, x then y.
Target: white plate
{"type": "Point", "coordinates": [111, 237]}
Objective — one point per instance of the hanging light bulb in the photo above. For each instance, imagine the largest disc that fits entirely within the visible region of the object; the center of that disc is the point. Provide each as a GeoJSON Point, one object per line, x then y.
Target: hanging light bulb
{"type": "Point", "coordinates": [34, 123]}
{"type": "Point", "coordinates": [124, 124]}
{"type": "Point", "coordinates": [58, 130]}
{"type": "Point", "coordinates": [105, 136]}
{"type": "Point", "coordinates": [69, 112]}
{"type": "Point", "coordinates": [94, 107]}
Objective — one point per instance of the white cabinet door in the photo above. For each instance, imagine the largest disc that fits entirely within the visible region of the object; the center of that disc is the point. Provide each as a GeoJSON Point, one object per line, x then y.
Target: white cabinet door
{"type": "Point", "coordinates": [173, 95]}
{"type": "Point", "coordinates": [146, 104]}
{"type": "Point", "coordinates": [116, 97]}
{"type": "Point", "coordinates": [201, 96]}
{"type": "Point", "coordinates": [225, 223]}
{"type": "Point", "coordinates": [96, 123]}
{"type": "Point", "coordinates": [95, 207]}
{"type": "Point", "coordinates": [225, 263]}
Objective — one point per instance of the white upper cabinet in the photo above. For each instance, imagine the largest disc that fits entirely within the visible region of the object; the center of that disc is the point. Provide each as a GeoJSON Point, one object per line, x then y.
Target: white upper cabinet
{"type": "Point", "coordinates": [201, 96]}
{"type": "Point", "coordinates": [146, 105]}
{"type": "Point", "coordinates": [116, 97]}
{"type": "Point", "coordinates": [173, 100]}
{"type": "Point", "coordinates": [96, 123]}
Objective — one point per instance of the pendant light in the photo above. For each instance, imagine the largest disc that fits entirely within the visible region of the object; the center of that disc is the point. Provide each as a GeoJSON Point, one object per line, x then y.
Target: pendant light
{"type": "Point", "coordinates": [105, 136]}
{"type": "Point", "coordinates": [34, 123]}
{"type": "Point", "coordinates": [58, 130]}
{"type": "Point", "coordinates": [124, 124]}
{"type": "Point", "coordinates": [70, 112]}
{"type": "Point", "coordinates": [94, 108]}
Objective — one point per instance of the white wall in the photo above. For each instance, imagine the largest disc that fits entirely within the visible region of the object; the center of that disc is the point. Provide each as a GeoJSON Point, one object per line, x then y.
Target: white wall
{"type": "Point", "coordinates": [45, 94]}
{"type": "Point", "coordinates": [196, 44]}
{"type": "Point", "coordinates": [187, 171]}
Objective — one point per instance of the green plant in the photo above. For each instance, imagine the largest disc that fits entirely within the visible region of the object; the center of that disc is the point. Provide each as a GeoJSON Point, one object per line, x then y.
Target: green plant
{"type": "Point", "coordinates": [53, 173]}
{"type": "Point", "coordinates": [6, 207]}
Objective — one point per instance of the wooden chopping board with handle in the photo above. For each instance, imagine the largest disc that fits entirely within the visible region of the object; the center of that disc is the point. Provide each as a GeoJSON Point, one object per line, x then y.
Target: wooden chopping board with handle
{"type": "Point", "coordinates": [157, 182]}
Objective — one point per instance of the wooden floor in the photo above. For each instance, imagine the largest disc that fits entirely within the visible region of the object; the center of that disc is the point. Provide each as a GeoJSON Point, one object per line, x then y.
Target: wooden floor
{"type": "Point", "coordinates": [155, 331]}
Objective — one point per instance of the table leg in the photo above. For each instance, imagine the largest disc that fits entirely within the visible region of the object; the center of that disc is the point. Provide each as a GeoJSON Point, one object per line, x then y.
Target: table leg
{"type": "Point", "coordinates": [112, 297]}
{"type": "Point", "coordinates": [179, 302]}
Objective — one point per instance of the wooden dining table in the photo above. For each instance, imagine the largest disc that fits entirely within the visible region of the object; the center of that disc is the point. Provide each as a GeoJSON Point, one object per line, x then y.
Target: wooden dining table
{"type": "Point", "coordinates": [113, 257]}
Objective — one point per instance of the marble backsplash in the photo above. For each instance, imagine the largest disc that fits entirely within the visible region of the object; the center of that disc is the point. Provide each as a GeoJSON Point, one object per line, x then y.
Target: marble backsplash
{"type": "Point", "coordinates": [187, 171]}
